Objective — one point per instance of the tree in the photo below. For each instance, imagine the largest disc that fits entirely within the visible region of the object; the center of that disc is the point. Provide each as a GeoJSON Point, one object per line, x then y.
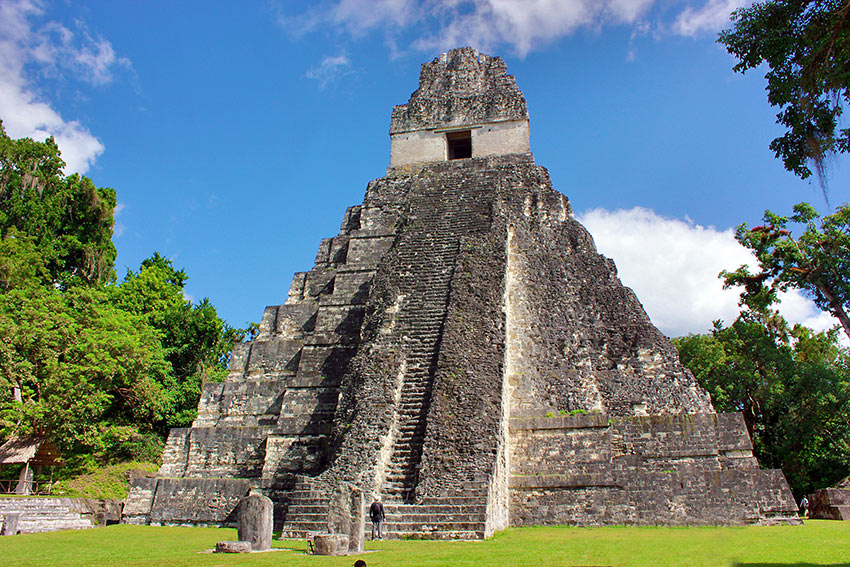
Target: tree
{"type": "Point", "coordinates": [806, 46]}
{"type": "Point", "coordinates": [79, 368]}
{"type": "Point", "coordinates": [817, 263]}
{"type": "Point", "coordinates": [196, 341]}
{"type": "Point", "coordinates": [790, 385]}
{"type": "Point", "coordinates": [69, 218]}
{"type": "Point", "coordinates": [104, 368]}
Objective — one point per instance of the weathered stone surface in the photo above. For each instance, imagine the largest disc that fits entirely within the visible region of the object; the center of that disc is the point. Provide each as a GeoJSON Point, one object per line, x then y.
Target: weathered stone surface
{"type": "Point", "coordinates": [255, 516]}
{"type": "Point", "coordinates": [831, 503]}
{"type": "Point", "coordinates": [595, 470]}
{"type": "Point", "coordinates": [197, 501]}
{"type": "Point", "coordinates": [234, 547]}
{"type": "Point", "coordinates": [38, 514]}
{"type": "Point", "coordinates": [9, 524]}
{"type": "Point", "coordinates": [345, 515]}
{"type": "Point", "coordinates": [416, 362]}
{"type": "Point", "coordinates": [331, 544]}
{"type": "Point", "coordinates": [461, 87]}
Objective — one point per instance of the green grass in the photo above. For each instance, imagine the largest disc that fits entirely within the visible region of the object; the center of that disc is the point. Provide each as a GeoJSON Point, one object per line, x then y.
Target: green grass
{"type": "Point", "coordinates": [817, 543]}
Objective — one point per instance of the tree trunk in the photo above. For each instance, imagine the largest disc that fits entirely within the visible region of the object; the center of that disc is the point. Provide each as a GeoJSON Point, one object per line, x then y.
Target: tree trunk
{"type": "Point", "coordinates": [836, 308]}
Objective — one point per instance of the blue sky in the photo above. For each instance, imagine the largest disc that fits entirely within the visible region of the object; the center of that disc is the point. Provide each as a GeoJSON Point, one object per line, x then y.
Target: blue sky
{"type": "Point", "coordinates": [236, 134]}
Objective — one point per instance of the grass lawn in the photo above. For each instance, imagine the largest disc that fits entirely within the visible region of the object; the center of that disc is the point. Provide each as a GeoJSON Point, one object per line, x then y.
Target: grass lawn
{"type": "Point", "coordinates": [817, 543]}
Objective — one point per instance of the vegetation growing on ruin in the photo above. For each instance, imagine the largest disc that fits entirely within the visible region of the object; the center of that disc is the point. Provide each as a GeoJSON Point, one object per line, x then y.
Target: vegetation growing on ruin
{"type": "Point", "coordinates": [111, 481]}
{"type": "Point", "coordinates": [819, 542]}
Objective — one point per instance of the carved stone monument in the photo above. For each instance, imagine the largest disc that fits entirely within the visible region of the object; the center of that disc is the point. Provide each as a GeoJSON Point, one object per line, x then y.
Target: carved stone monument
{"type": "Point", "coordinates": [255, 514]}
{"type": "Point", "coordinates": [461, 352]}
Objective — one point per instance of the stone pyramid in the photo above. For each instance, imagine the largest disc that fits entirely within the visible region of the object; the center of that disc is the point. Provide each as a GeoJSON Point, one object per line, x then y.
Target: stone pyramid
{"type": "Point", "coordinates": [462, 352]}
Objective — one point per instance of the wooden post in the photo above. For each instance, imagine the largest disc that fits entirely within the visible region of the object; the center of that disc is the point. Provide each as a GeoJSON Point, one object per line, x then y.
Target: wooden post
{"type": "Point", "coordinates": [25, 480]}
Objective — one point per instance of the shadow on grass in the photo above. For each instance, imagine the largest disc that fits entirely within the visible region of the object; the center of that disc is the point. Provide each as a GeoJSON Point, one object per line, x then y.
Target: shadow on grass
{"type": "Point", "coordinates": [791, 565]}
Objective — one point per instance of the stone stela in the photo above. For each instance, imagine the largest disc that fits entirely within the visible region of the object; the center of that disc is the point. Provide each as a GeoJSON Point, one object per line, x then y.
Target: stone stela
{"type": "Point", "coordinates": [461, 352]}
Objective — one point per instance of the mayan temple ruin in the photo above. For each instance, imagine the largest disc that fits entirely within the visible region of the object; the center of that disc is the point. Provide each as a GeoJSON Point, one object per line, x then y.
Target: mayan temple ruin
{"type": "Point", "coordinates": [462, 352]}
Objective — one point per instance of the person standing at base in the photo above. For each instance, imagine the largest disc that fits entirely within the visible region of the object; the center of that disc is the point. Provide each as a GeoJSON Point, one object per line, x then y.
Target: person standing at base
{"type": "Point", "coordinates": [376, 514]}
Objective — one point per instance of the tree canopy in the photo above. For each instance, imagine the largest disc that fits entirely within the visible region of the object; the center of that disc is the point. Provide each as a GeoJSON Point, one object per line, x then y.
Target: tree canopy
{"type": "Point", "coordinates": [806, 47]}
{"type": "Point", "coordinates": [103, 367]}
{"type": "Point", "coordinates": [817, 262]}
{"type": "Point", "coordinates": [68, 218]}
{"type": "Point", "coordinates": [792, 387]}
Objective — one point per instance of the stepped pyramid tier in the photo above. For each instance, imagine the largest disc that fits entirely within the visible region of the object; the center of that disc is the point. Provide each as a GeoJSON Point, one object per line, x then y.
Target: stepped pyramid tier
{"type": "Point", "coordinates": [462, 352]}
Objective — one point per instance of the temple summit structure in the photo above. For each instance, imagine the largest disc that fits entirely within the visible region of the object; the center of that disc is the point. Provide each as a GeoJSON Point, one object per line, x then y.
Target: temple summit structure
{"type": "Point", "coordinates": [461, 352]}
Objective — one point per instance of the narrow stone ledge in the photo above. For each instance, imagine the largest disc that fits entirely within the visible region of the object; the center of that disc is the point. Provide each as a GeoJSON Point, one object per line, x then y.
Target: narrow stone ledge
{"type": "Point", "coordinates": [562, 481]}
{"type": "Point", "coordinates": [581, 421]}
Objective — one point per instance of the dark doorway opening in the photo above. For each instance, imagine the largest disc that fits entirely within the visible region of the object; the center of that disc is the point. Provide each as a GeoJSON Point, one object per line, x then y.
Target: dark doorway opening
{"type": "Point", "coordinates": [460, 144]}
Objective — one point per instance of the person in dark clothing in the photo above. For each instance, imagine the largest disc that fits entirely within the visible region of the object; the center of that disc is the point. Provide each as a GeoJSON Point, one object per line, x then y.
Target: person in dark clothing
{"type": "Point", "coordinates": [376, 514]}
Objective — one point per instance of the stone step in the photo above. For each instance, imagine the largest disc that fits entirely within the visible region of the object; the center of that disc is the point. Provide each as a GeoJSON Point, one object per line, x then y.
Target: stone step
{"type": "Point", "coordinates": [299, 526]}
{"type": "Point", "coordinates": [452, 501]}
{"type": "Point", "coordinates": [399, 478]}
{"type": "Point", "coordinates": [436, 519]}
{"type": "Point", "coordinates": [32, 503]}
{"type": "Point", "coordinates": [315, 517]}
{"type": "Point", "coordinates": [37, 526]}
{"type": "Point", "coordinates": [432, 526]}
{"type": "Point", "coordinates": [305, 495]}
{"type": "Point", "coordinates": [53, 515]}
{"type": "Point", "coordinates": [404, 509]}
{"type": "Point", "coordinates": [35, 509]}
{"type": "Point", "coordinates": [299, 509]}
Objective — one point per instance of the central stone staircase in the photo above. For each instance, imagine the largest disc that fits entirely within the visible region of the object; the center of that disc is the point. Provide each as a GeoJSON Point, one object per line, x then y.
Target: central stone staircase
{"type": "Point", "coordinates": [458, 515]}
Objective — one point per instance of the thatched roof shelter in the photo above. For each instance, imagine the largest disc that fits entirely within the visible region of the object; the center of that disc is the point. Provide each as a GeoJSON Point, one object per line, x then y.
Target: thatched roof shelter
{"type": "Point", "coordinates": [32, 449]}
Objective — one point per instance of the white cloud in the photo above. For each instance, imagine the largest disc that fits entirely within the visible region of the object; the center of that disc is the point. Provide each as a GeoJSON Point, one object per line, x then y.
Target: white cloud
{"type": "Point", "coordinates": [709, 18]}
{"type": "Point", "coordinates": [330, 69]}
{"type": "Point", "coordinates": [527, 25]}
{"type": "Point", "coordinates": [49, 49]}
{"type": "Point", "coordinates": [118, 228]}
{"type": "Point", "coordinates": [672, 265]}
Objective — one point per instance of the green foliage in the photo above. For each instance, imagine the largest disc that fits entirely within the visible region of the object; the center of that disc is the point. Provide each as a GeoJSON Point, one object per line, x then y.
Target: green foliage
{"type": "Point", "coordinates": [791, 386]}
{"type": "Point", "coordinates": [197, 342]}
{"type": "Point", "coordinates": [21, 264]}
{"type": "Point", "coordinates": [103, 368]}
{"type": "Point", "coordinates": [817, 263]}
{"type": "Point", "coordinates": [69, 219]}
{"type": "Point", "coordinates": [806, 46]}
{"type": "Point", "coordinates": [80, 365]}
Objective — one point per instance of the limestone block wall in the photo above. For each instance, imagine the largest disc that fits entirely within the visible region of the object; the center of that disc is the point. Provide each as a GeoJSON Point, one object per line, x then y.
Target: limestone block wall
{"type": "Point", "coordinates": [246, 403]}
{"type": "Point", "coordinates": [196, 501]}
{"type": "Point", "coordinates": [226, 451]}
{"type": "Point", "coordinates": [596, 469]}
{"type": "Point", "coordinates": [831, 503]}
{"type": "Point", "coordinates": [494, 138]}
